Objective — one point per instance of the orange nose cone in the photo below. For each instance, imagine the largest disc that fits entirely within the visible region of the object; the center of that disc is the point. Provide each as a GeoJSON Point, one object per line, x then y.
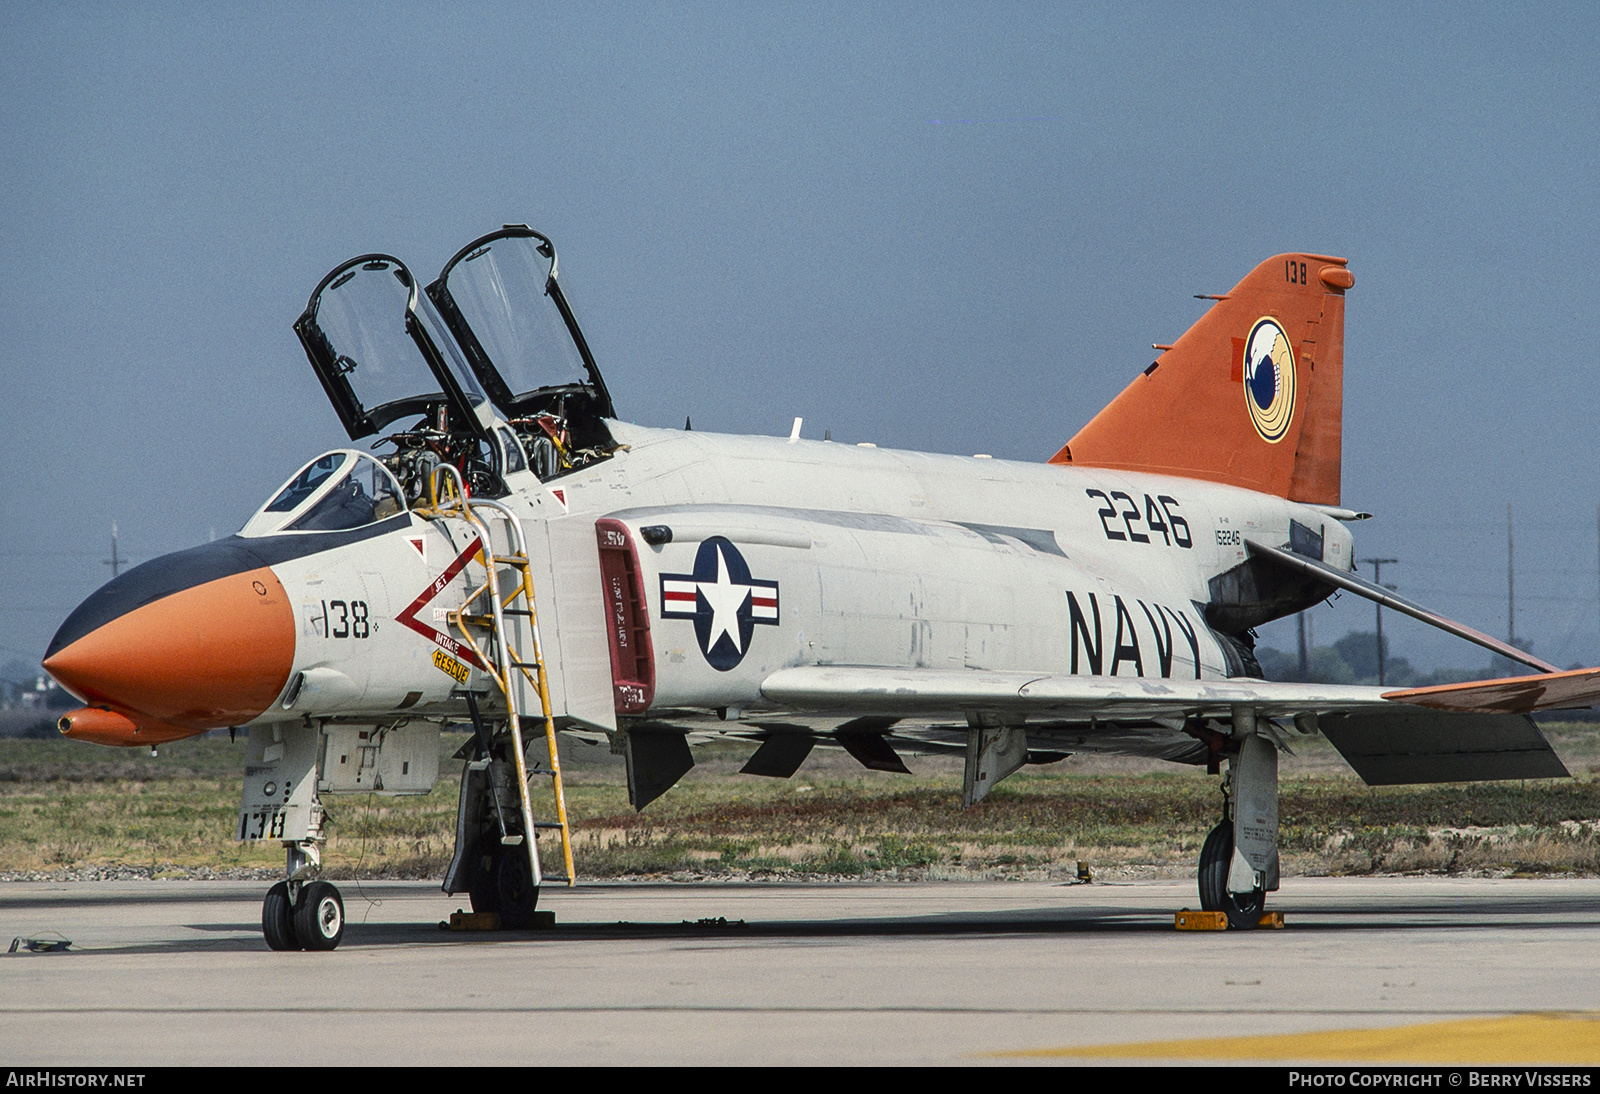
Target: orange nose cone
{"type": "Point", "coordinates": [214, 654]}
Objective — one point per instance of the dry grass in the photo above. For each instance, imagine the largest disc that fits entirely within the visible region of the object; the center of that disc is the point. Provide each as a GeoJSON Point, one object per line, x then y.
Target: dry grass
{"type": "Point", "coordinates": [68, 808]}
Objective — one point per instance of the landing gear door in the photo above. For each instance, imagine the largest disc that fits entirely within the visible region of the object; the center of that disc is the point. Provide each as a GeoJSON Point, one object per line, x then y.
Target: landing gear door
{"type": "Point", "coordinates": [565, 561]}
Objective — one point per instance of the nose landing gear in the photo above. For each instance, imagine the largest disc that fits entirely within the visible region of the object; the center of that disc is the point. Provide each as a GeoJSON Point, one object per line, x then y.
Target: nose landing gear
{"type": "Point", "coordinates": [277, 918]}
{"type": "Point", "coordinates": [319, 916]}
{"type": "Point", "coordinates": [302, 915]}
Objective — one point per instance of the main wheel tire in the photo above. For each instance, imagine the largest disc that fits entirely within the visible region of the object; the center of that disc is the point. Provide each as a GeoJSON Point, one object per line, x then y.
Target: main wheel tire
{"type": "Point", "coordinates": [1215, 855]}
{"type": "Point", "coordinates": [484, 888]}
{"type": "Point", "coordinates": [1245, 909]}
{"type": "Point", "coordinates": [1216, 858]}
{"type": "Point", "coordinates": [277, 918]}
{"type": "Point", "coordinates": [319, 916]}
{"type": "Point", "coordinates": [514, 887]}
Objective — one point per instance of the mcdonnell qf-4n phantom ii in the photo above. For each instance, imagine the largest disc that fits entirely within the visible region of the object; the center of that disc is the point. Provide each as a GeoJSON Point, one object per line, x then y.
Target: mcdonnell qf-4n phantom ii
{"type": "Point", "coordinates": [509, 555]}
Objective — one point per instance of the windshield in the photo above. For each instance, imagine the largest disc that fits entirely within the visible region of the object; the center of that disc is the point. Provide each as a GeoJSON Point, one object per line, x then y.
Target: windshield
{"type": "Point", "coordinates": [303, 485]}
{"type": "Point", "coordinates": [366, 495]}
{"type": "Point", "coordinates": [334, 492]}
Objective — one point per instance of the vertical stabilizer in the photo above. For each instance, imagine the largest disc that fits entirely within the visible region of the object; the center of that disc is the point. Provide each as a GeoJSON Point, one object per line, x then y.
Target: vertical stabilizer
{"type": "Point", "coordinates": [1252, 395]}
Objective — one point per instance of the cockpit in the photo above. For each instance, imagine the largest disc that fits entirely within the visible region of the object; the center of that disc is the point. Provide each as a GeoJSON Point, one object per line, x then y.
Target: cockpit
{"type": "Point", "coordinates": [486, 369]}
{"type": "Point", "coordinates": [333, 493]}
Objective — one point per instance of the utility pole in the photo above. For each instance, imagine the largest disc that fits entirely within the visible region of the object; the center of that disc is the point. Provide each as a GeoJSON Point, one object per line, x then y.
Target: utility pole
{"type": "Point", "coordinates": [1377, 576]}
{"type": "Point", "coordinates": [1511, 583]}
{"type": "Point", "coordinates": [116, 560]}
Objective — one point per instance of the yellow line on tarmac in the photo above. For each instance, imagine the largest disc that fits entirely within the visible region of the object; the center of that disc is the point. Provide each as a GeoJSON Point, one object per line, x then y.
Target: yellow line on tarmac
{"type": "Point", "coordinates": [1517, 1039]}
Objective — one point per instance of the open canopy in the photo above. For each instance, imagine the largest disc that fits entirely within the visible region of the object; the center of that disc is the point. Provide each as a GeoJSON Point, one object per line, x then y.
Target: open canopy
{"type": "Point", "coordinates": [382, 354]}
{"type": "Point", "coordinates": [501, 299]}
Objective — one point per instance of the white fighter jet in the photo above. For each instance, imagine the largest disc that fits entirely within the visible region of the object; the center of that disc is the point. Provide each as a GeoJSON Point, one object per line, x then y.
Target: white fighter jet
{"type": "Point", "coordinates": [509, 555]}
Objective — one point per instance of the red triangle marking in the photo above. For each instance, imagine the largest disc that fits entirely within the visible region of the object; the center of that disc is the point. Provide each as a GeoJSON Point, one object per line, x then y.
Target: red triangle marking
{"type": "Point", "coordinates": [409, 618]}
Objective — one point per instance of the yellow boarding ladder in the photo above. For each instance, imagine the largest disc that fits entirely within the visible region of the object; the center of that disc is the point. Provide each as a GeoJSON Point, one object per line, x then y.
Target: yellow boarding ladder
{"type": "Point", "coordinates": [504, 660]}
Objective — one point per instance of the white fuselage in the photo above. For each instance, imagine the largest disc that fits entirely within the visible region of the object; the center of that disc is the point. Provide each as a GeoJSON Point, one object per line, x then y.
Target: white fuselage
{"type": "Point", "coordinates": [852, 556]}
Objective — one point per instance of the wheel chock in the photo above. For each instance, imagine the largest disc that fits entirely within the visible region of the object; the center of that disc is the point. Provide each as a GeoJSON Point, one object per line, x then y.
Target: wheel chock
{"type": "Point", "coordinates": [490, 921]}
{"type": "Point", "coordinates": [472, 921]}
{"type": "Point", "coordinates": [1218, 921]}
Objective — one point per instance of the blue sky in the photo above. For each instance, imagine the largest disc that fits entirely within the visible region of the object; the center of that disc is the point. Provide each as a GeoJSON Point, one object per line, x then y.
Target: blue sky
{"type": "Point", "coordinates": [945, 227]}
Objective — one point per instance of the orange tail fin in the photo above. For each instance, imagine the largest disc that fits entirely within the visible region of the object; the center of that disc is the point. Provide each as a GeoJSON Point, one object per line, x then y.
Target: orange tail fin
{"type": "Point", "coordinates": [1251, 395]}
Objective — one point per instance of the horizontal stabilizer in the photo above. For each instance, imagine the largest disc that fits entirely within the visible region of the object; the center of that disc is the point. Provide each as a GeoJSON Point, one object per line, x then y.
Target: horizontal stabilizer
{"type": "Point", "coordinates": [1568, 690]}
{"type": "Point", "coordinates": [1359, 585]}
{"type": "Point", "coordinates": [1394, 747]}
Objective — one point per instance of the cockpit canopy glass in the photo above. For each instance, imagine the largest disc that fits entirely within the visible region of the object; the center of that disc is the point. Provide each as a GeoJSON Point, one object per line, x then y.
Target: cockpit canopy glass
{"type": "Point", "coordinates": [381, 351]}
{"type": "Point", "coordinates": [334, 492]}
{"type": "Point", "coordinates": [501, 299]}
{"type": "Point", "coordinates": [362, 314]}
{"type": "Point", "coordinates": [500, 289]}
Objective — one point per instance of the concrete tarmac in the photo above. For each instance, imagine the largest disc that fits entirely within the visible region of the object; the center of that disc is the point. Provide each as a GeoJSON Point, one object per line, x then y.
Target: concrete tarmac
{"type": "Point", "coordinates": [176, 972]}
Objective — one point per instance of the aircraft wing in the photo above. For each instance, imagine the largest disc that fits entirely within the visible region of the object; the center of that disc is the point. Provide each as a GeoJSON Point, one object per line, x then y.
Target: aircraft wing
{"type": "Point", "coordinates": [924, 692]}
{"type": "Point", "coordinates": [1568, 690]}
{"type": "Point", "coordinates": [1387, 742]}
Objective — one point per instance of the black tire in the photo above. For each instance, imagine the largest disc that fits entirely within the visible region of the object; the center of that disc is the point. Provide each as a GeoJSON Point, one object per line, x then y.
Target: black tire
{"type": "Point", "coordinates": [277, 919]}
{"type": "Point", "coordinates": [319, 916]}
{"type": "Point", "coordinates": [1245, 909]}
{"type": "Point", "coordinates": [514, 887]}
{"type": "Point", "coordinates": [1216, 856]}
{"type": "Point", "coordinates": [484, 888]}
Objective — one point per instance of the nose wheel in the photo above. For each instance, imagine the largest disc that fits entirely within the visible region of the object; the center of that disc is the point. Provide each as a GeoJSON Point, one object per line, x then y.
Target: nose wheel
{"type": "Point", "coordinates": [277, 918]}
{"type": "Point", "coordinates": [302, 916]}
{"type": "Point", "coordinates": [319, 916]}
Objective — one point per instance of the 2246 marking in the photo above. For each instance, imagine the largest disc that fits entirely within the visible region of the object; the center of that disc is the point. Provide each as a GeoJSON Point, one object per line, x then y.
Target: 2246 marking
{"type": "Point", "coordinates": [1156, 518]}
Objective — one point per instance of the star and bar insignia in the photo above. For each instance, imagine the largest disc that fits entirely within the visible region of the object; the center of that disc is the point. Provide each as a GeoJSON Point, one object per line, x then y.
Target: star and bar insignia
{"type": "Point", "coordinates": [724, 601]}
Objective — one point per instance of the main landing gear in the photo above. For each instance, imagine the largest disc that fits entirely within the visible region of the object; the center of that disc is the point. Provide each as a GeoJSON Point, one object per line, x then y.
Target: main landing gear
{"type": "Point", "coordinates": [302, 915]}
{"type": "Point", "coordinates": [1239, 860]}
{"type": "Point", "coordinates": [503, 884]}
{"type": "Point", "coordinates": [1244, 910]}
